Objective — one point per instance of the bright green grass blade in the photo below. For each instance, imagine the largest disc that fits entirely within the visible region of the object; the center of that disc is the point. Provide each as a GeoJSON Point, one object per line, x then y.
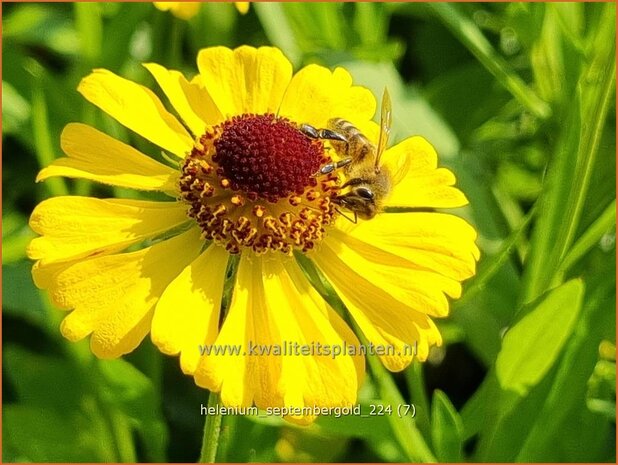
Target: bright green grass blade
{"type": "Point", "coordinates": [471, 36]}
{"type": "Point", "coordinates": [43, 137]}
{"type": "Point", "coordinates": [90, 31]}
{"type": "Point", "coordinates": [278, 29]}
{"type": "Point", "coordinates": [418, 396]}
{"type": "Point", "coordinates": [404, 429]}
{"type": "Point", "coordinates": [370, 22]}
{"type": "Point", "coordinates": [446, 429]}
{"type": "Point", "coordinates": [132, 400]}
{"type": "Point", "coordinates": [570, 170]}
{"type": "Point", "coordinates": [589, 239]}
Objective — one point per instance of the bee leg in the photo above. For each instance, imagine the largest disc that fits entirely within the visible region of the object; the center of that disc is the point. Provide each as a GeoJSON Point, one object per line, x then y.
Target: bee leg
{"type": "Point", "coordinates": [331, 135]}
{"type": "Point", "coordinates": [330, 167]}
{"type": "Point", "coordinates": [309, 131]}
{"type": "Point", "coordinates": [314, 133]}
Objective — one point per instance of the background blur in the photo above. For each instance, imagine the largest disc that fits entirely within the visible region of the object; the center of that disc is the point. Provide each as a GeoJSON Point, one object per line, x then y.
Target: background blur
{"type": "Point", "coordinates": [518, 99]}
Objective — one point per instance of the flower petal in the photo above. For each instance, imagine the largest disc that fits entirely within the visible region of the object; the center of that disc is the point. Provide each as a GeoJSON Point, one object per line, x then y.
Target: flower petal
{"type": "Point", "coordinates": [303, 318]}
{"type": "Point", "coordinates": [316, 95]}
{"type": "Point", "coordinates": [192, 102]}
{"type": "Point", "coordinates": [417, 181]}
{"type": "Point", "coordinates": [244, 80]}
{"type": "Point", "coordinates": [137, 108]}
{"type": "Point", "coordinates": [182, 10]}
{"type": "Point", "coordinates": [365, 287]}
{"type": "Point", "coordinates": [419, 289]}
{"type": "Point", "coordinates": [435, 242]}
{"type": "Point", "coordinates": [233, 374]}
{"type": "Point", "coordinates": [77, 227]}
{"type": "Point", "coordinates": [269, 311]}
{"type": "Point", "coordinates": [113, 296]}
{"type": "Point", "coordinates": [187, 313]}
{"type": "Point", "coordinates": [98, 157]}
{"type": "Point", "coordinates": [242, 7]}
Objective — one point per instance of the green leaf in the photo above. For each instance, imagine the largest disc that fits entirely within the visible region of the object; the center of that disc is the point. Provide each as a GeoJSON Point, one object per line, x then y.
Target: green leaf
{"type": "Point", "coordinates": [58, 417]}
{"type": "Point", "coordinates": [19, 295]}
{"type": "Point", "coordinates": [16, 234]}
{"type": "Point", "coordinates": [532, 346]}
{"type": "Point", "coordinates": [15, 109]}
{"type": "Point", "coordinates": [446, 429]}
{"type": "Point", "coordinates": [42, 435]}
{"type": "Point", "coordinates": [129, 390]}
{"type": "Point", "coordinates": [40, 24]}
{"type": "Point", "coordinates": [563, 424]}
{"type": "Point", "coordinates": [476, 411]}
{"type": "Point", "coordinates": [32, 375]}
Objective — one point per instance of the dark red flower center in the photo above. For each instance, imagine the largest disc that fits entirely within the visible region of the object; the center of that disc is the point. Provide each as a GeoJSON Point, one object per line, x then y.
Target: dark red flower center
{"type": "Point", "coordinates": [250, 183]}
{"type": "Point", "coordinates": [266, 156]}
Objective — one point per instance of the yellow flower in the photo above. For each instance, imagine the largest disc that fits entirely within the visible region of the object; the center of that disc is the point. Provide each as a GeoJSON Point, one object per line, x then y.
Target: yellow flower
{"type": "Point", "coordinates": [182, 10]}
{"type": "Point", "coordinates": [246, 184]}
{"type": "Point", "coordinates": [242, 7]}
{"type": "Point", "coordinates": [187, 10]}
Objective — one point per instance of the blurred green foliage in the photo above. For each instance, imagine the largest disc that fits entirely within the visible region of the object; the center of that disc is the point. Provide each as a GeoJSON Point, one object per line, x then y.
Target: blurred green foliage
{"type": "Point", "coordinates": [519, 100]}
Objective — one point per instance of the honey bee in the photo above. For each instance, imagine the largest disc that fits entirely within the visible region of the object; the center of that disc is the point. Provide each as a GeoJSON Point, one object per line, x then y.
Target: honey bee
{"type": "Point", "coordinates": [368, 182]}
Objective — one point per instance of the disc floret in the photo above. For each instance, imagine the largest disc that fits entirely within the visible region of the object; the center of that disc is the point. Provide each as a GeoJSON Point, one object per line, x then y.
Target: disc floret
{"type": "Point", "coordinates": [250, 183]}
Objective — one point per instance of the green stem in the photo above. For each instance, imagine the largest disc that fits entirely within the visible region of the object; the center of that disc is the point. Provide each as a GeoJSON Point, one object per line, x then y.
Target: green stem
{"type": "Point", "coordinates": [122, 436]}
{"type": "Point", "coordinates": [212, 429]}
{"type": "Point", "coordinates": [497, 261]}
{"type": "Point", "coordinates": [471, 37]}
{"type": "Point", "coordinates": [596, 114]}
{"type": "Point", "coordinates": [90, 31]}
{"type": "Point", "coordinates": [175, 44]}
{"type": "Point", "coordinates": [42, 138]}
{"type": "Point", "coordinates": [407, 434]}
{"type": "Point", "coordinates": [416, 385]}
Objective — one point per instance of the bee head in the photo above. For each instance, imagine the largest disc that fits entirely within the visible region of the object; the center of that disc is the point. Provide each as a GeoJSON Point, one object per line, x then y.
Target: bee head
{"type": "Point", "coordinates": [360, 200]}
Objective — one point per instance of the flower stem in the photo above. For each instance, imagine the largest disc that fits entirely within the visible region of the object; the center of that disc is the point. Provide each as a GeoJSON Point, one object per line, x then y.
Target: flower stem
{"type": "Point", "coordinates": [212, 429]}
{"type": "Point", "coordinates": [407, 434]}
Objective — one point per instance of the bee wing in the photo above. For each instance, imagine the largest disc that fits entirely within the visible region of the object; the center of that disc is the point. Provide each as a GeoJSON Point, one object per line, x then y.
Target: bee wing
{"type": "Point", "coordinates": [399, 169]}
{"type": "Point", "coordinates": [386, 118]}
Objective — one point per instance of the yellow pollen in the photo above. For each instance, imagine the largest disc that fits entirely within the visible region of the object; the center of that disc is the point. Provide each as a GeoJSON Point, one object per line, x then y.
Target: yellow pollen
{"type": "Point", "coordinates": [219, 210]}
{"type": "Point", "coordinates": [207, 190]}
{"type": "Point", "coordinates": [258, 211]}
{"type": "Point", "coordinates": [237, 200]}
{"type": "Point", "coordinates": [286, 219]}
{"type": "Point", "coordinates": [312, 195]}
{"type": "Point", "coordinates": [242, 223]}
